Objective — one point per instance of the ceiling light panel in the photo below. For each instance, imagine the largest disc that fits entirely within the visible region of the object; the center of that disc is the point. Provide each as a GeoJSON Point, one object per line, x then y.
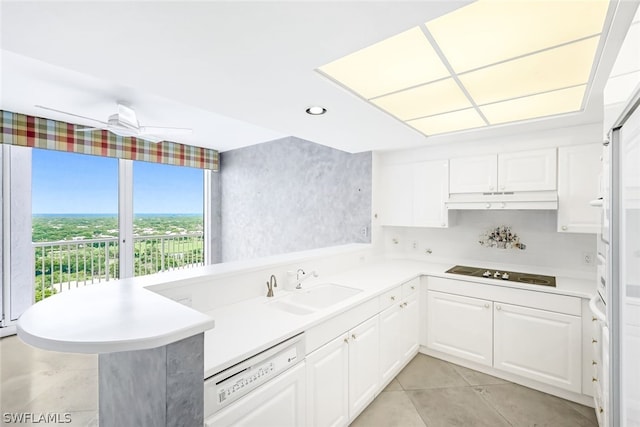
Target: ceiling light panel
{"type": "Point", "coordinates": [434, 98]}
{"type": "Point", "coordinates": [489, 31]}
{"type": "Point", "coordinates": [535, 106]}
{"type": "Point", "coordinates": [393, 64]}
{"type": "Point", "coordinates": [449, 122]}
{"type": "Point", "coordinates": [565, 66]}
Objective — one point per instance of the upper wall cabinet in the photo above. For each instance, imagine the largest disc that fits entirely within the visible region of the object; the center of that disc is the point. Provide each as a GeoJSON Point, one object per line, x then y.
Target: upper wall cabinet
{"type": "Point", "coordinates": [578, 173]}
{"type": "Point", "coordinates": [510, 172]}
{"type": "Point", "coordinates": [414, 194]}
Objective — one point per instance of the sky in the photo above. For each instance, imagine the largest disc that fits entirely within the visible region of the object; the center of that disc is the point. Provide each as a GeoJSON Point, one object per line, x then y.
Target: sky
{"type": "Point", "coordinates": [78, 183]}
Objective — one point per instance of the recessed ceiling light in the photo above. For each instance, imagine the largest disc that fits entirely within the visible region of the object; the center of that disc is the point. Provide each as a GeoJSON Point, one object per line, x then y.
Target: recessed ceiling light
{"type": "Point", "coordinates": [535, 106]}
{"type": "Point", "coordinates": [418, 102]}
{"type": "Point", "coordinates": [558, 68]}
{"type": "Point", "coordinates": [399, 62]}
{"type": "Point", "coordinates": [489, 31]}
{"type": "Point", "coordinates": [448, 122]}
{"type": "Point", "coordinates": [316, 110]}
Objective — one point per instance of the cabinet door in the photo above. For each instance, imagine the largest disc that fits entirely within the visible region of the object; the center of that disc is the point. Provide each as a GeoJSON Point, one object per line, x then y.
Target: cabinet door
{"type": "Point", "coordinates": [460, 326]}
{"type": "Point", "coordinates": [527, 171]}
{"type": "Point", "coordinates": [363, 365]}
{"type": "Point", "coordinates": [578, 172]}
{"type": "Point", "coordinates": [328, 384]}
{"type": "Point", "coordinates": [280, 402]}
{"type": "Point", "coordinates": [396, 184]}
{"type": "Point", "coordinates": [391, 324]}
{"type": "Point", "coordinates": [473, 174]}
{"type": "Point", "coordinates": [430, 192]}
{"type": "Point", "coordinates": [409, 332]}
{"type": "Point", "coordinates": [538, 344]}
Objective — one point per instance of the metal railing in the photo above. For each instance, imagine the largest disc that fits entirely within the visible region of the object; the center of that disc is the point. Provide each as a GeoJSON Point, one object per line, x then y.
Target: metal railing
{"type": "Point", "coordinates": [65, 264]}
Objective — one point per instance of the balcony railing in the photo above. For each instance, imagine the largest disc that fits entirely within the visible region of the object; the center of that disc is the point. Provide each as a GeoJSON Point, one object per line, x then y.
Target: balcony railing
{"type": "Point", "coordinates": [66, 264]}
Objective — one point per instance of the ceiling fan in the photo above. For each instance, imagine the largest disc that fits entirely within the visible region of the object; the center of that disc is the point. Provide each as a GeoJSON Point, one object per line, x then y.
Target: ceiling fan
{"type": "Point", "coordinates": [125, 123]}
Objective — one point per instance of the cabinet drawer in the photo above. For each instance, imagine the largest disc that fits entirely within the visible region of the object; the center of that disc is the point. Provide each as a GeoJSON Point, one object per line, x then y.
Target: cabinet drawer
{"type": "Point", "coordinates": [410, 287]}
{"type": "Point", "coordinates": [390, 297]}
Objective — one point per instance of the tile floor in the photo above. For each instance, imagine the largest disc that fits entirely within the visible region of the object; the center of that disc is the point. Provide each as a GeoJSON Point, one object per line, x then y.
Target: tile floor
{"type": "Point", "coordinates": [428, 392]}
{"type": "Point", "coordinates": [431, 392]}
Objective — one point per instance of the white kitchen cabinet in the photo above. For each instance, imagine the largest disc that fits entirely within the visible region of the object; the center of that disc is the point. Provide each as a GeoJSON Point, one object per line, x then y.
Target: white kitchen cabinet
{"type": "Point", "coordinates": [460, 326]}
{"type": "Point", "coordinates": [409, 332]}
{"type": "Point", "coordinates": [538, 344]}
{"type": "Point", "coordinates": [398, 334]}
{"type": "Point", "coordinates": [328, 384]}
{"type": "Point", "coordinates": [473, 174]}
{"type": "Point", "coordinates": [578, 184]}
{"type": "Point", "coordinates": [390, 328]}
{"type": "Point", "coordinates": [508, 172]}
{"type": "Point", "coordinates": [364, 346]}
{"type": "Point", "coordinates": [414, 194]}
{"type": "Point", "coordinates": [280, 402]}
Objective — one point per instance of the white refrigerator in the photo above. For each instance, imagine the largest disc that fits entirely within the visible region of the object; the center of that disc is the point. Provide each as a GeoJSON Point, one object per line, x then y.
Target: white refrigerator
{"type": "Point", "coordinates": [623, 299]}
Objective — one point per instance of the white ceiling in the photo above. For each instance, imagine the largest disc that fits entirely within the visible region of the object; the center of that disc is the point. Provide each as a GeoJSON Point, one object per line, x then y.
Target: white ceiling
{"type": "Point", "coordinates": [238, 73]}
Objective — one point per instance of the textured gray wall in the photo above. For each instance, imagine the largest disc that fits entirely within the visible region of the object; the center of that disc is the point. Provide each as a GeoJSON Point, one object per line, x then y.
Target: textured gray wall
{"type": "Point", "coordinates": [290, 195]}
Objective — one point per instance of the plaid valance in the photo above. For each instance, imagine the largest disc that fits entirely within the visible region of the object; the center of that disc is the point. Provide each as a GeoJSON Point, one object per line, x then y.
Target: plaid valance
{"type": "Point", "coordinates": [37, 132]}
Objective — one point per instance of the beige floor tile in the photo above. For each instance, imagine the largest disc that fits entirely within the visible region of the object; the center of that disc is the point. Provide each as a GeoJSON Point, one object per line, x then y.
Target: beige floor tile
{"type": "Point", "coordinates": [456, 406]}
{"type": "Point", "coordinates": [477, 378]}
{"type": "Point", "coordinates": [394, 385]}
{"type": "Point", "coordinates": [73, 391]}
{"type": "Point", "coordinates": [585, 411]}
{"type": "Point", "coordinates": [425, 372]}
{"type": "Point", "coordinates": [526, 407]}
{"type": "Point", "coordinates": [390, 409]}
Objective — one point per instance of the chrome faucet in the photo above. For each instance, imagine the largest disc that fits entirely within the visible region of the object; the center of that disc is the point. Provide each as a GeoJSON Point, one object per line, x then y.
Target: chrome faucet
{"type": "Point", "coordinates": [272, 283]}
{"type": "Point", "coordinates": [301, 276]}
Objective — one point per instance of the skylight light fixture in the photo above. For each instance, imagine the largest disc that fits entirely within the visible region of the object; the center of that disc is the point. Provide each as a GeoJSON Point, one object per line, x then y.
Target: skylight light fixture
{"type": "Point", "coordinates": [490, 62]}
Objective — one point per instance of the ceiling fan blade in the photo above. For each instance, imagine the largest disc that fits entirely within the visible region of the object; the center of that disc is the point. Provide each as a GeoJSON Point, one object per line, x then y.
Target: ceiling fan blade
{"type": "Point", "coordinates": [70, 114]}
{"type": "Point", "coordinates": [145, 130]}
{"type": "Point", "coordinates": [86, 129]}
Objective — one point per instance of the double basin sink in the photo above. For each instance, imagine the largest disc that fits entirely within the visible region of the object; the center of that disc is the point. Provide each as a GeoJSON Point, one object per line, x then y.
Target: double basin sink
{"type": "Point", "coordinates": [306, 301]}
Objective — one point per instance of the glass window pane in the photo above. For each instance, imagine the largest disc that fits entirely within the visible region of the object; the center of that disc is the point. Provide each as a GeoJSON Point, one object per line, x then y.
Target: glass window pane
{"type": "Point", "coordinates": [168, 217]}
{"type": "Point", "coordinates": [75, 220]}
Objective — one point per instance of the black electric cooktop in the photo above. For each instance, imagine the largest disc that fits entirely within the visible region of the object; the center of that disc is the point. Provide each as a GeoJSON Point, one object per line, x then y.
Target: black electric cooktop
{"type": "Point", "coordinates": [512, 276]}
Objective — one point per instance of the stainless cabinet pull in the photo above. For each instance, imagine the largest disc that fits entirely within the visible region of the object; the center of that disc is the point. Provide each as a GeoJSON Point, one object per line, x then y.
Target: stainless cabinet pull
{"type": "Point", "coordinates": [593, 362]}
{"type": "Point", "coordinates": [346, 340]}
{"type": "Point", "coordinates": [593, 341]}
{"type": "Point", "coordinates": [594, 319]}
{"type": "Point", "coordinates": [353, 336]}
{"type": "Point", "coordinates": [413, 288]}
{"type": "Point", "coordinates": [393, 298]}
{"type": "Point", "coordinates": [594, 380]}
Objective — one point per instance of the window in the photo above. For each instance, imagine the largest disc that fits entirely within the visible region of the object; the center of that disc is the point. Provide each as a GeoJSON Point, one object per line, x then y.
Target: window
{"type": "Point", "coordinates": [168, 219]}
{"type": "Point", "coordinates": [77, 228]}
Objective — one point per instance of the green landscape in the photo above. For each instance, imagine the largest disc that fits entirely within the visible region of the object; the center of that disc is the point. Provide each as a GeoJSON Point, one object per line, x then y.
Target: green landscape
{"type": "Point", "coordinates": [83, 249]}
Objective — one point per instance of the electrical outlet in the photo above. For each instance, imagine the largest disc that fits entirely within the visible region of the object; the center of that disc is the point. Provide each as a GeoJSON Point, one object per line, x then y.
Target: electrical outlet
{"type": "Point", "coordinates": [587, 258]}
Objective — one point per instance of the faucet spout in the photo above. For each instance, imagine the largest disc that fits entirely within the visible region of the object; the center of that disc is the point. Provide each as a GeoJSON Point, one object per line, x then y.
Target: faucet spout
{"type": "Point", "coordinates": [302, 276]}
{"type": "Point", "coordinates": [272, 283]}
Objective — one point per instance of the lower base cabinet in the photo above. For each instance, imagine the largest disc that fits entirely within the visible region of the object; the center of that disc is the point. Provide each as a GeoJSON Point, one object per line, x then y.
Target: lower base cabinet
{"type": "Point", "coordinates": [541, 345]}
{"type": "Point", "coordinates": [538, 344]}
{"type": "Point", "coordinates": [342, 376]}
{"type": "Point", "coordinates": [460, 326]}
{"type": "Point", "coordinates": [278, 403]}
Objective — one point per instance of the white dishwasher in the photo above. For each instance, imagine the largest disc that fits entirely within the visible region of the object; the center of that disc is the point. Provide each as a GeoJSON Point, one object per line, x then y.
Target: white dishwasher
{"type": "Point", "coordinates": [266, 390]}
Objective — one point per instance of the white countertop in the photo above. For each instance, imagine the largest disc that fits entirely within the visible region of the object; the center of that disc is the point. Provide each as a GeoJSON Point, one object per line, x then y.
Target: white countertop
{"type": "Point", "coordinates": [251, 326]}
{"type": "Point", "coordinates": [108, 317]}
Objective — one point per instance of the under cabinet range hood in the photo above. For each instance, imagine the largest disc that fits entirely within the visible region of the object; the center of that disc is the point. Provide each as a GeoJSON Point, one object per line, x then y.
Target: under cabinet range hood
{"type": "Point", "coordinates": [528, 200]}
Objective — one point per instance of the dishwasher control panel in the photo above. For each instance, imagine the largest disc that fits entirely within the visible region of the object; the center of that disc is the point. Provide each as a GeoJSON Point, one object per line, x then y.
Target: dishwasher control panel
{"type": "Point", "coordinates": [231, 384]}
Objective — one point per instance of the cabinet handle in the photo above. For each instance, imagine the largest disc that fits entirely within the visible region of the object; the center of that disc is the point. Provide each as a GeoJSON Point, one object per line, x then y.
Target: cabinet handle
{"type": "Point", "coordinates": [405, 304]}
{"type": "Point", "coordinates": [486, 306]}
{"type": "Point", "coordinates": [594, 319]}
{"type": "Point", "coordinates": [594, 380]}
{"type": "Point", "coordinates": [413, 288]}
{"type": "Point", "coordinates": [601, 410]}
{"type": "Point", "coordinates": [393, 298]}
{"type": "Point", "coordinates": [593, 362]}
{"type": "Point", "coordinates": [593, 341]}
{"type": "Point", "coordinates": [498, 307]}
{"type": "Point", "coordinates": [353, 336]}
{"type": "Point", "coordinates": [346, 340]}
{"type": "Point", "coordinates": [564, 228]}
